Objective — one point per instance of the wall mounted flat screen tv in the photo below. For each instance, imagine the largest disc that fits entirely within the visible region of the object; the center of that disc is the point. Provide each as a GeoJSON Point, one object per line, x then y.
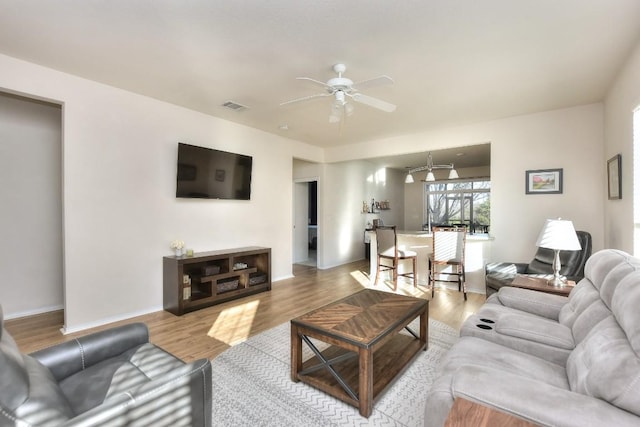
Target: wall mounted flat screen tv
{"type": "Point", "coordinates": [205, 173]}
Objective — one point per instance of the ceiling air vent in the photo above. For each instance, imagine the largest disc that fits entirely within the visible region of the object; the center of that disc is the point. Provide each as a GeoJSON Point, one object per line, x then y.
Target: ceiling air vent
{"type": "Point", "coordinates": [234, 106]}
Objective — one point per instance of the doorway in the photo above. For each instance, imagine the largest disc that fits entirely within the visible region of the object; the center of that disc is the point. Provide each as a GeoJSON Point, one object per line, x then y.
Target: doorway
{"type": "Point", "coordinates": [31, 218]}
{"type": "Point", "coordinates": [305, 227]}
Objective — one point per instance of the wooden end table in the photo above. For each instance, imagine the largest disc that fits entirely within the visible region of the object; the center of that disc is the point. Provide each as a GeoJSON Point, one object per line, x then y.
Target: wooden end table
{"type": "Point", "coordinates": [366, 350]}
{"type": "Point", "coordinates": [540, 284]}
{"type": "Point", "coordinates": [465, 413]}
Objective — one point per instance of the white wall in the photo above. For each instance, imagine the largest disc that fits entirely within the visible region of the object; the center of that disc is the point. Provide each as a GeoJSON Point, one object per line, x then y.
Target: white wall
{"type": "Point", "coordinates": [570, 138]}
{"type": "Point", "coordinates": [388, 185]}
{"type": "Point", "coordinates": [120, 209]}
{"type": "Point", "coordinates": [31, 214]}
{"type": "Point", "coordinates": [340, 225]}
{"type": "Point", "coordinates": [621, 101]}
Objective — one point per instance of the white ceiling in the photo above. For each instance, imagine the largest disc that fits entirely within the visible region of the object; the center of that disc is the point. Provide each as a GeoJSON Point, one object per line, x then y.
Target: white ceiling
{"type": "Point", "coordinates": [453, 61]}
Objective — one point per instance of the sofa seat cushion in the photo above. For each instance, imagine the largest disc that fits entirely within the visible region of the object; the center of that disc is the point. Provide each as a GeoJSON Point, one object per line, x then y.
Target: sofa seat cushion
{"type": "Point", "coordinates": [480, 352]}
{"type": "Point", "coordinates": [476, 352]}
{"type": "Point", "coordinates": [146, 364]}
{"type": "Point", "coordinates": [90, 387]}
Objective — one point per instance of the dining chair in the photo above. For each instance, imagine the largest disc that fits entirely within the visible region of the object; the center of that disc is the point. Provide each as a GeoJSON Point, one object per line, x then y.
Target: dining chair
{"type": "Point", "coordinates": [447, 257]}
{"type": "Point", "coordinates": [390, 255]}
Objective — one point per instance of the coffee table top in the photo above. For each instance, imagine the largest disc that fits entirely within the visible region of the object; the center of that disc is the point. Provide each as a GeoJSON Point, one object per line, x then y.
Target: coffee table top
{"type": "Point", "coordinates": [364, 317]}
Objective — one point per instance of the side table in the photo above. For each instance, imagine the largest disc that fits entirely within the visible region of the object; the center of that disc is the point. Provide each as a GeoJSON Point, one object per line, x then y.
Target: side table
{"type": "Point", "coordinates": [465, 413]}
{"type": "Point", "coordinates": [540, 284]}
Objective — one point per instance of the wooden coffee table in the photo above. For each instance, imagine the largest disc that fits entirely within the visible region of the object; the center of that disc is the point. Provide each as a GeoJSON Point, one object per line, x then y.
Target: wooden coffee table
{"type": "Point", "coordinates": [540, 284]}
{"type": "Point", "coordinates": [366, 350]}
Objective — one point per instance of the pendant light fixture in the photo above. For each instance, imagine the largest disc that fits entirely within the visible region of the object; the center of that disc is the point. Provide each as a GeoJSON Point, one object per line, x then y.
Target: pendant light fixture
{"type": "Point", "coordinates": [429, 167]}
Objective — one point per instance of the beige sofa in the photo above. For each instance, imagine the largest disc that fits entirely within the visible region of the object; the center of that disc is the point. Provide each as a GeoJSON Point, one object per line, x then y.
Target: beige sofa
{"type": "Point", "coordinates": [552, 360]}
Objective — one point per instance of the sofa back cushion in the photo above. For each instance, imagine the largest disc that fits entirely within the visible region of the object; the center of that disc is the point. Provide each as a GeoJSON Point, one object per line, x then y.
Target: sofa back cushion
{"type": "Point", "coordinates": [29, 393]}
{"type": "Point", "coordinates": [606, 268]}
{"type": "Point", "coordinates": [606, 364]}
{"type": "Point", "coordinates": [589, 302]}
{"type": "Point", "coordinates": [13, 373]}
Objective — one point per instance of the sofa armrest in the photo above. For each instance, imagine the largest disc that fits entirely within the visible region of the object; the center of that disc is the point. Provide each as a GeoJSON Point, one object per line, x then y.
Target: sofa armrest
{"type": "Point", "coordinates": [66, 359]}
{"type": "Point", "coordinates": [533, 302]}
{"type": "Point", "coordinates": [534, 400]}
{"type": "Point", "coordinates": [505, 268]}
{"type": "Point", "coordinates": [182, 394]}
{"type": "Point", "coordinates": [536, 330]}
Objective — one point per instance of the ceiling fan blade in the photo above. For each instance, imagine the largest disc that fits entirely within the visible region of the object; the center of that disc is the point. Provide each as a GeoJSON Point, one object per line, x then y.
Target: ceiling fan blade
{"type": "Point", "coordinates": [305, 98]}
{"type": "Point", "coordinates": [317, 82]}
{"type": "Point", "coordinates": [376, 81]}
{"type": "Point", "coordinates": [374, 102]}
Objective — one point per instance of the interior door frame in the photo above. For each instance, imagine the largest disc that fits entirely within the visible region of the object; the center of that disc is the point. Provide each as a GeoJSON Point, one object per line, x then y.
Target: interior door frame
{"type": "Point", "coordinates": [297, 215]}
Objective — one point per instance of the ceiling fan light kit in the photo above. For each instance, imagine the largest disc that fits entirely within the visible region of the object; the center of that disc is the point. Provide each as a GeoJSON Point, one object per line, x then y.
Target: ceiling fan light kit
{"type": "Point", "coordinates": [429, 167]}
{"type": "Point", "coordinates": [342, 88]}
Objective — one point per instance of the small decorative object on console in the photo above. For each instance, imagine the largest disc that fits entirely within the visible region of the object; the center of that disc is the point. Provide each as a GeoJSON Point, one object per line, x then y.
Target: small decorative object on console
{"type": "Point", "coordinates": [177, 246]}
{"type": "Point", "coordinates": [239, 266]}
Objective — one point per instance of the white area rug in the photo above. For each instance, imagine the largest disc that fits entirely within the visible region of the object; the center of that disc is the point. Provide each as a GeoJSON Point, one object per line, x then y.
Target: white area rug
{"type": "Point", "coordinates": [252, 386]}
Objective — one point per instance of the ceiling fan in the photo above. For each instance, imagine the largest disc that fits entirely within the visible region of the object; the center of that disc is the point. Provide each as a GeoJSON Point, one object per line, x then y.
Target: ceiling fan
{"type": "Point", "coordinates": [341, 89]}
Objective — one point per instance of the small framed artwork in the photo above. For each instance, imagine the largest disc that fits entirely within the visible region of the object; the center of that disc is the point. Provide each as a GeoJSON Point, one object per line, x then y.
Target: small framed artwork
{"type": "Point", "coordinates": [220, 175]}
{"type": "Point", "coordinates": [544, 181]}
{"type": "Point", "coordinates": [614, 177]}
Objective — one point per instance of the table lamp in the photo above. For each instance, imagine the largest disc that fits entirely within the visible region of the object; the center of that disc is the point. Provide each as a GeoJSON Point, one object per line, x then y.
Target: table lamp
{"type": "Point", "coordinates": [559, 235]}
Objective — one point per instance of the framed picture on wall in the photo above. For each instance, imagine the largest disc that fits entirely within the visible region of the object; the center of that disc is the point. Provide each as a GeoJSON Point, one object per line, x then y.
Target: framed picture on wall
{"type": "Point", "coordinates": [543, 181]}
{"type": "Point", "coordinates": [614, 177]}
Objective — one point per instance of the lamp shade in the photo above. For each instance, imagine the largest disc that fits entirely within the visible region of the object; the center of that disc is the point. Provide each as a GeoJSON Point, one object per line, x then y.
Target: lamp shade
{"type": "Point", "coordinates": [558, 234]}
{"type": "Point", "coordinates": [408, 179]}
{"type": "Point", "coordinates": [430, 177]}
{"type": "Point", "coordinates": [453, 174]}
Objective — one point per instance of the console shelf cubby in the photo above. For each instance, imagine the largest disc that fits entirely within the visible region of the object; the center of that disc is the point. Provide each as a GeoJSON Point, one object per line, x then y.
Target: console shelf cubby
{"type": "Point", "coordinates": [208, 278]}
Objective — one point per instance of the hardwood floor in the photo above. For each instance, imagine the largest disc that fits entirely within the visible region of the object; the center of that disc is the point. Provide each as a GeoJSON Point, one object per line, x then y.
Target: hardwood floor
{"type": "Point", "coordinates": [208, 332]}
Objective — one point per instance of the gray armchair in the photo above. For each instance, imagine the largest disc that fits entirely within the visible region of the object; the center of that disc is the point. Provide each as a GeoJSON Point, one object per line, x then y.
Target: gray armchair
{"type": "Point", "coordinates": [114, 377]}
{"type": "Point", "coordinates": [499, 274]}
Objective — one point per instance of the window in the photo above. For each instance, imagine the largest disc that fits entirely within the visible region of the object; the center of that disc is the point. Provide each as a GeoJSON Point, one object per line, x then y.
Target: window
{"type": "Point", "coordinates": [465, 203]}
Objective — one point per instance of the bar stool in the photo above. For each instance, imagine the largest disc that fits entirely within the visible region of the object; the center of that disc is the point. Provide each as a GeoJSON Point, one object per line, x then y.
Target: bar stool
{"type": "Point", "coordinates": [448, 253]}
{"type": "Point", "coordinates": [387, 248]}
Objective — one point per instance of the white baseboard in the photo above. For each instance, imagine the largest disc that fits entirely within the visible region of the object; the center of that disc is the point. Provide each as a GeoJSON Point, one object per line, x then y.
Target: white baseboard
{"type": "Point", "coordinates": [288, 276]}
{"type": "Point", "coordinates": [70, 330]}
{"type": "Point", "coordinates": [40, 310]}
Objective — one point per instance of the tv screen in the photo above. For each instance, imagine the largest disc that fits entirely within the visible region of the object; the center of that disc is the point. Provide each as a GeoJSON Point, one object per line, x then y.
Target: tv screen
{"type": "Point", "coordinates": [206, 173]}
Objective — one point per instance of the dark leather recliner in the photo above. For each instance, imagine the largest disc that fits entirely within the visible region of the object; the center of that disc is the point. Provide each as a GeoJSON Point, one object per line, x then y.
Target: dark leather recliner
{"type": "Point", "coordinates": [114, 377]}
{"type": "Point", "coordinates": [499, 274]}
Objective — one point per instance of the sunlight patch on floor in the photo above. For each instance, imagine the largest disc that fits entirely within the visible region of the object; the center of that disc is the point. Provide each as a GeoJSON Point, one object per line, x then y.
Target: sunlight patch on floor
{"type": "Point", "coordinates": [361, 277]}
{"type": "Point", "coordinates": [405, 287]}
{"type": "Point", "coordinates": [233, 325]}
